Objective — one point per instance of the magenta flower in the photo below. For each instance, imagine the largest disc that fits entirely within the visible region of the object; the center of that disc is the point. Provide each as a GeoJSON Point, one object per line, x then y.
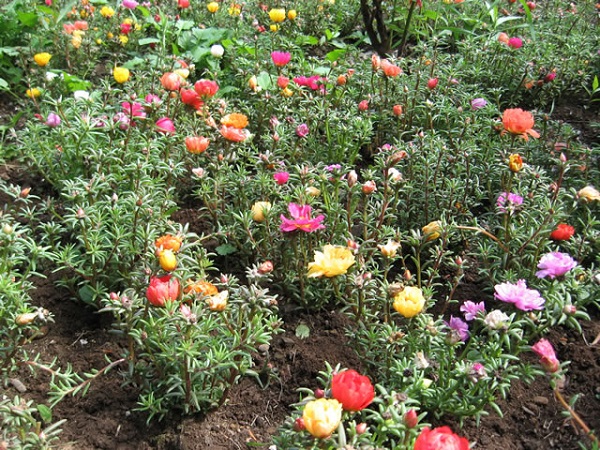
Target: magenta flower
{"type": "Point", "coordinates": [134, 109]}
{"type": "Point", "coordinates": [508, 202]}
{"type": "Point", "coordinates": [281, 177]}
{"type": "Point", "coordinates": [554, 264]}
{"type": "Point", "coordinates": [310, 82]}
{"type": "Point", "coordinates": [165, 125]}
{"type": "Point", "coordinates": [129, 4]}
{"type": "Point", "coordinates": [459, 327]}
{"type": "Point", "coordinates": [478, 103]}
{"type": "Point", "coordinates": [53, 120]}
{"type": "Point", "coordinates": [153, 99]}
{"type": "Point", "coordinates": [472, 309]}
{"type": "Point", "coordinates": [301, 219]}
{"type": "Point", "coordinates": [280, 59]}
{"type": "Point", "coordinates": [543, 348]}
{"type": "Point", "coordinates": [518, 294]}
{"type": "Point", "coordinates": [122, 120]}
{"type": "Point", "coordinates": [515, 42]}
{"type": "Point", "coordinates": [302, 130]}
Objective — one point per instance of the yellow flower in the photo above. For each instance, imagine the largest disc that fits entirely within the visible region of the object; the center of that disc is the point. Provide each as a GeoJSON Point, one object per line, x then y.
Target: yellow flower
{"type": "Point", "coordinates": [99, 41]}
{"type": "Point", "coordinates": [389, 250]}
{"type": "Point", "coordinates": [107, 12]}
{"type": "Point", "coordinates": [218, 302]}
{"type": "Point", "coordinates": [332, 261]}
{"type": "Point", "coordinates": [409, 301]}
{"type": "Point", "coordinates": [183, 73]}
{"type": "Point", "coordinates": [253, 83]}
{"type": "Point", "coordinates": [588, 194]}
{"type": "Point", "coordinates": [312, 191]}
{"type": "Point", "coordinates": [33, 93]}
{"type": "Point", "coordinates": [167, 260]}
{"type": "Point", "coordinates": [274, 28]}
{"type": "Point", "coordinates": [235, 10]}
{"type": "Point", "coordinates": [322, 416]}
{"type": "Point", "coordinates": [287, 92]}
{"type": "Point", "coordinates": [121, 74]}
{"type": "Point", "coordinates": [212, 7]}
{"type": "Point", "coordinates": [515, 162]}
{"type": "Point", "coordinates": [292, 14]}
{"type": "Point", "coordinates": [260, 210]}
{"type": "Point", "coordinates": [42, 59]}
{"type": "Point", "coordinates": [432, 230]}
{"type": "Point", "coordinates": [123, 39]}
{"type": "Point", "coordinates": [76, 41]}
{"type": "Point", "coordinates": [277, 15]}
{"type": "Point", "coordinates": [109, 35]}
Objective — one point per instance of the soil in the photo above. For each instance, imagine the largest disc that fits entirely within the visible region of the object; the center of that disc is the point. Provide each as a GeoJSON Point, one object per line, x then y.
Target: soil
{"type": "Point", "coordinates": [106, 418]}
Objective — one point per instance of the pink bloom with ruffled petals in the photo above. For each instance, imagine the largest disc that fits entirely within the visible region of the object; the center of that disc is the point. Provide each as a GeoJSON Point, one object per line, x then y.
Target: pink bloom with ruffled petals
{"type": "Point", "coordinates": [301, 219]}
{"type": "Point", "coordinates": [518, 294]}
{"type": "Point", "coordinates": [555, 264]}
{"type": "Point", "coordinates": [280, 59]}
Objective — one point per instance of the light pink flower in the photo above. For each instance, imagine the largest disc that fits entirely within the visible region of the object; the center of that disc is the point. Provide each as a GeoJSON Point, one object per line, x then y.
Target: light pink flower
{"type": "Point", "coordinates": [129, 4]}
{"type": "Point", "coordinates": [302, 130]}
{"type": "Point", "coordinates": [459, 327]}
{"type": "Point", "coordinates": [122, 120]}
{"type": "Point", "coordinates": [134, 109]}
{"type": "Point", "coordinates": [165, 125]}
{"type": "Point", "coordinates": [554, 264]}
{"type": "Point", "coordinates": [153, 99]}
{"type": "Point", "coordinates": [301, 219]}
{"type": "Point", "coordinates": [280, 59]}
{"type": "Point", "coordinates": [281, 177]}
{"type": "Point", "coordinates": [543, 348]}
{"type": "Point", "coordinates": [472, 309]}
{"type": "Point", "coordinates": [508, 202]}
{"type": "Point", "coordinates": [53, 120]}
{"type": "Point", "coordinates": [518, 294]}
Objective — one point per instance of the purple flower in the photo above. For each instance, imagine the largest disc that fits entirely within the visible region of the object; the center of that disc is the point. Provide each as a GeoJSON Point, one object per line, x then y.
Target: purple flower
{"type": "Point", "coordinates": [508, 202]}
{"type": "Point", "coordinates": [478, 103]}
{"type": "Point", "coordinates": [53, 120]}
{"type": "Point", "coordinates": [302, 130]}
{"type": "Point", "coordinates": [472, 309]}
{"type": "Point", "coordinates": [333, 167]}
{"type": "Point", "coordinates": [459, 327]}
{"type": "Point", "coordinates": [554, 265]}
{"type": "Point", "coordinates": [518, 294]}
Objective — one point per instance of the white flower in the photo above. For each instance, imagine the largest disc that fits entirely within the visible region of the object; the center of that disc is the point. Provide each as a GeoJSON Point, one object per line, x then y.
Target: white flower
{"type": "Point", "coordinates": [51, 76]}
{"type": "Point", "coordinates": [496, 320]}
{"type": "Point", "coordinates": [217, 50]}
{"type": "Point", "coordinates": [81, 95]}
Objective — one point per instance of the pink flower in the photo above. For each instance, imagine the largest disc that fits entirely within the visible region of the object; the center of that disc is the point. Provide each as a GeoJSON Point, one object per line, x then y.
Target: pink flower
{"type": "Point", "coordinates": [310, 82]}
{"type": "Point", "coordinates": [134, 109]}
{"type": "Point", "coordinates": [129, 4]}
{"type": "Point", "coordinates": [280, 59]}
{"type": "Point", "coordinates": [206, 88]}
{"type": "Point", "coordinates": [122, 120]}
{"type": "Point", "coordinates": [472, 309]}
{"type": "Point", "coordinates": [281, 177]}
{"type": "Point", "coordinates": [518, 294]}
{"type": "Point", "coordinates": [153, 99]}
{"type": "Point", "coordinates": [301, 219]}
{"type": "Point", "coordinates": [441, 438]}
{"type": "Point", "coordinates": [554, 264]}
{"type": "Point", "coordinates": [165, 125]}
{"type": "Point", "coordinates": [508, 202]}
{"type": "Point", "coordinates": [543, 348]}
{"type": "Point", "coordinates": [478, 103]}
{"type": "Point", "coordinates": [363, 105]}
{"type": "Point", "coordinates": [302, 130]}
{"type": "Point", "coordinates": [432, 83]}
{"type": "Point", "coordinates": [458, 327]}
{"type": "Point", "coordinates": [515, 42]}
{"type": "Point", "coordinates": [53, 120]}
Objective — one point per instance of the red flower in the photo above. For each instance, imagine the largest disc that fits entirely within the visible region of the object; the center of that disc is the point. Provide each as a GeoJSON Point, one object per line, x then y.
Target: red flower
{"type": "Point", "coordinates": [353, 390]}
{"type": "Point", "coordinates": [563, 232]}
{"type": "Point", "coordinates": [206, 88]}
{"type": "Point", "coordinates": [191, 98]}
{"type": "Point", "coordinates": [519, 122]}
{"type": "Point", "coordinates": [165, 125]}
{"type": "Point", "coordinates": [432, 83]}
{"type": "Point", "coordinates": [441, 438]}
{"type": "Point", "coordinates": [162, 289]}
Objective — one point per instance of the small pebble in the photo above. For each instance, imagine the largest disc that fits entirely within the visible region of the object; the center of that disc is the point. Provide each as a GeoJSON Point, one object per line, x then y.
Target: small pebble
{"type": "Point", "coordinates": [18, 385]}
{"type": "Point", "coordinates": [540, 400]}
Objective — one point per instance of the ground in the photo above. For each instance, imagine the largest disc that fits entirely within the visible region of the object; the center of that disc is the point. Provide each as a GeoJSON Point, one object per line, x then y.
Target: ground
{"type": "Point", "coordinates": [105, 418]}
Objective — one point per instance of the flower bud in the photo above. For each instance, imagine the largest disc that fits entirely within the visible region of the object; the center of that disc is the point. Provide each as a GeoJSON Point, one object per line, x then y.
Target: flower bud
{"type": "Point", "coordinates": [299, 424]}
{"type": "Point", "coordinates": [260, 210]}
{"type": "Point", "coordinates": [167, 260]}
{"type": "Point", "coordinates": [363, 105]}
{"type": "Point", "coordinates": [369, 187]}
{"type": "Point", "coordinates": [319, 393]}
{"type": "Point", "coordinates": [361, 428]}
{"type": "Point", "coordinates": [411, 419]}
{"type": "Point", "coordinates": [266, 267]}
{"type": "Point", "coordinates": [113, 296]}
{"type": "Point", "coordinates": [25, 319]}
{"type": "Point", "coordinates": [352, 178]}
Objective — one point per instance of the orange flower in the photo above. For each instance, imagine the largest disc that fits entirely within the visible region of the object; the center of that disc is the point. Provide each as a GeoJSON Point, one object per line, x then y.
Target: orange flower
{"type": "Point", "coordinates": [389, 69]}
{"type": "Point", "coordinates": [196, 144]}
{"type": "Point", "coordinates": [205, 288]}
{"type": "Point", "coordinates": [515, 162]}
{"type": "Point", "coordinates": [169, 242]}
{"type": "Point", "coordinates": [235, 120]}
{"type": "Point", "coordinates": [519, 122]}
{"type": "Point", "coordinates": [234, 134]}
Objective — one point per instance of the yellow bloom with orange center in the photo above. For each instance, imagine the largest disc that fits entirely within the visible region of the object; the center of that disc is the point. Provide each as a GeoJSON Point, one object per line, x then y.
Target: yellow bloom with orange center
{"type": "Point", "coordinates": [322, 416]}
{"type": "Point", "coordinates": [205, 288]}
{"type": "Point", "coordinates": [33, 93]}
{"type": "Point", "coordinates": [168, 242]}
{"type": "Point", "coordinates": [277, 15]}
{"type": "Point", "coordinates": [260, 210]}
{"type": "Point", "coordinates": [167, 260]}
{"type": "Point", "coordinates": [334, 260]}
{"type": "Point", "coordinates": [107, 12]}
{"type": "Point", "coordinates": [121, 74]}
{"type": "Point", "coordinates": [217, 302]}
{"type": "Point", "coordinates": [409, 301]}
{"type": "Point", "coordinates": [235, 120]}
{"type": "Point", "coordinates": [42, 59]}
{"type": "Point", "coordinates": [519, 123]}
{"type": "Point", "coordinates": [212, 7]}
{"type": "Point", "coordinates": [515, 162]}
{"type": "Point", "coordinates": [432, 230]}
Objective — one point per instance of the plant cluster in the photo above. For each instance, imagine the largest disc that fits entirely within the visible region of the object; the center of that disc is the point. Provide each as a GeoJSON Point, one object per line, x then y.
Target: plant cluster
{"type": "Point", "coordinates": [323, 177]}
